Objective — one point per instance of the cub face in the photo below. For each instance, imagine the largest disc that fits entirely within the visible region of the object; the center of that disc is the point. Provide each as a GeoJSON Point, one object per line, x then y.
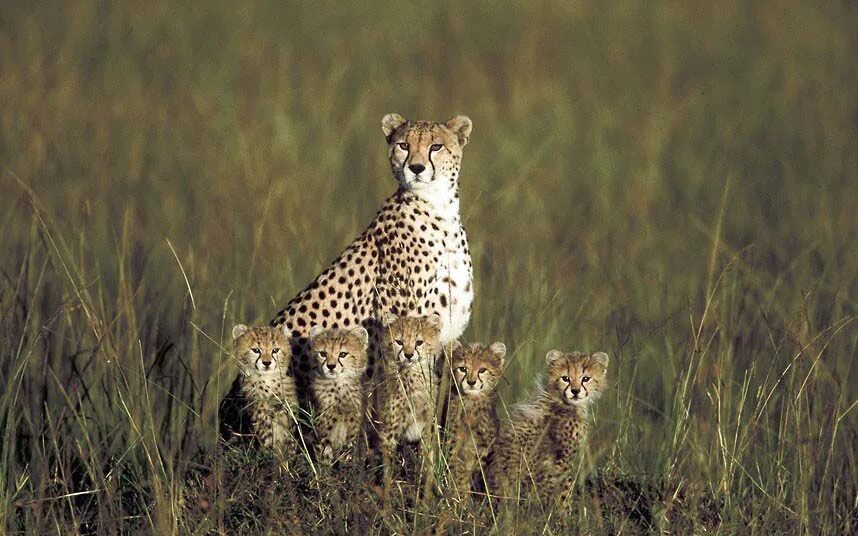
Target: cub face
{"type": "Point", "coordinates": [339, 352]}
{"type": "Point", "coordinates": [576, 378]}
{"type": "Point", "coordinates": [411, 340]}
{"type": "Point", "coordinates": [260, 350]}
{"type": "Point", "coordinates": [477, 368]}
{"type": "Point", "coordinates": [425, 155]}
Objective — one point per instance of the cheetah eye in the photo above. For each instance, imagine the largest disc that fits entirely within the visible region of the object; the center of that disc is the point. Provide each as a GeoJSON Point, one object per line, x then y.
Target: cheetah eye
{"type": "Point", "coordinates": [436, 147]}
{"type": "Point", "coordinates": [256, 350]}
{"type": "Point", "coordinates": [399, 342]}
{"type": "Point", "coordinates": [463, 370]}
{"type": "Point", "coordinates": [418, 343]}
{"type": "Point", "coordinates": [585, 379]}
{"type": "Point", "coordinates": [343, 354]}
{"type": "Point", "coordinates": [403, 146]}
{"type": "Point", "coordinates": [565, 378]}
{"type": "Point", "coordinates": [482, 370]}
{"type": "Point", "coordinates": [275, 351]}
{"type": "Point", "coordinates": [323, 355]}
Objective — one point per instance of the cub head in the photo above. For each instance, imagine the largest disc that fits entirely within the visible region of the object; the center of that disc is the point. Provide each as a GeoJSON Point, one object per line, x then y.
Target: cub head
{"type": "Point", "coordinates": [409, 340]}
{"type": "Point", "coordinates": [260, 350]}
{"type": "Point", "coordinates": [340, 353]}
{"type": "Point", "coordinates": [477, 368]}
{"type": "Point", "coordinates": [576, 378]}
{"type": "Point", "coordinates": [426, 156]}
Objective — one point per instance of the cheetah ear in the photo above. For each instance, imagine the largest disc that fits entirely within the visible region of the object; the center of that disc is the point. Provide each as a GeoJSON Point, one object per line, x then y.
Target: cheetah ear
{"type": "Point", "coordinates": [362, 336]}
{"type": "Point", "coordinates": [238, 330]}
{"type": "Point", "coordinates": [601, 358]}
{"type": "Point", "coordinates": [456, 345]}
{"type": "Point", "coordinates": [388, 318]}
{"type": "Point", "coordinates": [434, 321]}
{"type": "Point", "coordinates": [553, 356]}
{"type": "Point", "coordinates": [389, 124]}
{"type": "Point", "coordinates": [315, 331]}
{"type": "Point", "coordinates": [461, 127]}
{"type": "Point", "coordinates": [499, 350]}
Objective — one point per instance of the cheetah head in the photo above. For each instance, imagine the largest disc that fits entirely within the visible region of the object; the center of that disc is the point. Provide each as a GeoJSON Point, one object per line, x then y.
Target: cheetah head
{"type": "Point", "coordinates": [576, 378]}
{"type": "Point", "coordinates": [260, 350]}
{"type": "Point", "coordinates": [411, 340]}
{"type": "Point", "coordinates": [339, 352]}
{"type": "Point", "coordinates": [477, 368]}
{"type": "Point", "coordinates": [426, 156]}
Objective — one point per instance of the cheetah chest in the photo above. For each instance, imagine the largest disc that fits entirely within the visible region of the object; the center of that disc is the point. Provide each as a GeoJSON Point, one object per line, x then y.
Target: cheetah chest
{"type": "Point", "coordinates": [454, 282]}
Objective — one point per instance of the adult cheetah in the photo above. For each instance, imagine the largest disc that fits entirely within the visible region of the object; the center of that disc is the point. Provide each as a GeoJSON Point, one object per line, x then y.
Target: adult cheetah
{"type": "Point", "coordinates": [412, 259]}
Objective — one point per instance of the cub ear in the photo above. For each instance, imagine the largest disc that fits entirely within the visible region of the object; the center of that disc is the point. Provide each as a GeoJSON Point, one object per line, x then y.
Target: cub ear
{"type": "Point", "coordinates": [362, 336]}
{"type": "Point", "coordinates": [499, 350]}
{"type": "Point", "coordinates": [600, 358]}
{"type": "Point", "coordinates": [238, 330]}
{"type": "Point", "coordinates": [315, 331]}
{"type": "Point", "coordinates": [461, 127]}
{"type": "Point", "coordinates": [553, 356]}
{"type": "Point", "coordinates": [388, 318]}
{"type": "Point", "coordinates": [434, 321]}
{"type": "Point", "coordinates": [390, 122]}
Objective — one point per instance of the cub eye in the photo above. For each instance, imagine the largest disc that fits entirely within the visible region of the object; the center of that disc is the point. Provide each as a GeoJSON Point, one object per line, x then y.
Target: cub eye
{"type": "Point", "coordinates": [256, 350]}
{"type": "Point", "coordinates": [585, 379]}
{"type": "Point", "coordinates": [343, 354]}
{"type": "Point", "coordinates": [403, 146]}
{"type": "Point", "coordinates": [323, 355]}
{"type": "Point", "coordinates": [418, 343]}
{"type": "Point", "coordinates": [463, 369]}
{"type": "Point", "coordinates": [436, 147]}
{"type": "Point", "coordinates": [275, 351]}
{"type": "Point", "coordinates": [565, 378]}
{"type": "Point", "coordinates": [482, 370]}
{"type": "Point", "coordinates": [399, 342]}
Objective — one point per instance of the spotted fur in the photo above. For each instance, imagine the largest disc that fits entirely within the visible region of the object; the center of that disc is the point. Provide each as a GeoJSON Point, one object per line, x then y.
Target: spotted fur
{"type": "Point", "coordinates": [262, 402]}
{"type": "Point", "coordinates": [338, 390]}
{"type": "Point", "coordinates": [472, 421]}
{"type": "Point", "coordinates": [412, 259]}
{"type": "Point", "coordinates": [404, 392]}
{"type": "Point", "coordinates": [541, 443]}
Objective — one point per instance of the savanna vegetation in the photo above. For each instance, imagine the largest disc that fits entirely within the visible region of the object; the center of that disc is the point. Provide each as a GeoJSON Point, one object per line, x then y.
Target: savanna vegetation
{"type": "Point", "coordinates": [672, 183]}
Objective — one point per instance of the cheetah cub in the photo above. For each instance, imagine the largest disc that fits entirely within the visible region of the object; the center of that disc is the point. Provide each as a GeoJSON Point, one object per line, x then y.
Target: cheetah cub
{"type": "Point", "coordinates": [405, 401]}
{"type": "Point", "coordinates": [540, 444]}
{"type": "Point", "coordinates": [338, 389]}
{"type": "Point", "coordinates": [472, 422]}
{"type": "Point", "coordinates": [262, 401]}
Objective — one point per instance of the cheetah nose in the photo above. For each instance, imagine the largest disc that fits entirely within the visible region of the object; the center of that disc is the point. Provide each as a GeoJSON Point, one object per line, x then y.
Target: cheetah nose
{"type": "Point", "coordinates": [575, 392]}
{"type": "Point", "coordinates": [408, 355]}
{"type": "Point", "coordinates": [266, 363]}
{"type": "Point", "coordinates": [332, 366]}
{"type": "Point", "coordinates": [417, 169]}
{"type": "Point", "coordinates": [472, 382]}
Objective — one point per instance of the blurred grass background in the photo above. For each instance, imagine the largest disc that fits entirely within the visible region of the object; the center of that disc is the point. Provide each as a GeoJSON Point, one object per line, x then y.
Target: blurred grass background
{"type": "Point", "coordinates": [673, 183]}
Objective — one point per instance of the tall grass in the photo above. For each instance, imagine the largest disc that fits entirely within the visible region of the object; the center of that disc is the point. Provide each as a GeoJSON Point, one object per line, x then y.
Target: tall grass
{"type": "Point", "coordinates": [673, 184]}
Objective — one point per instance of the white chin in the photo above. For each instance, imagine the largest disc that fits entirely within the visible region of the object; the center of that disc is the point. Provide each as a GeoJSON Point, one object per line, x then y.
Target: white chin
{"type": "Point", "coordinates": [413, 182]}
